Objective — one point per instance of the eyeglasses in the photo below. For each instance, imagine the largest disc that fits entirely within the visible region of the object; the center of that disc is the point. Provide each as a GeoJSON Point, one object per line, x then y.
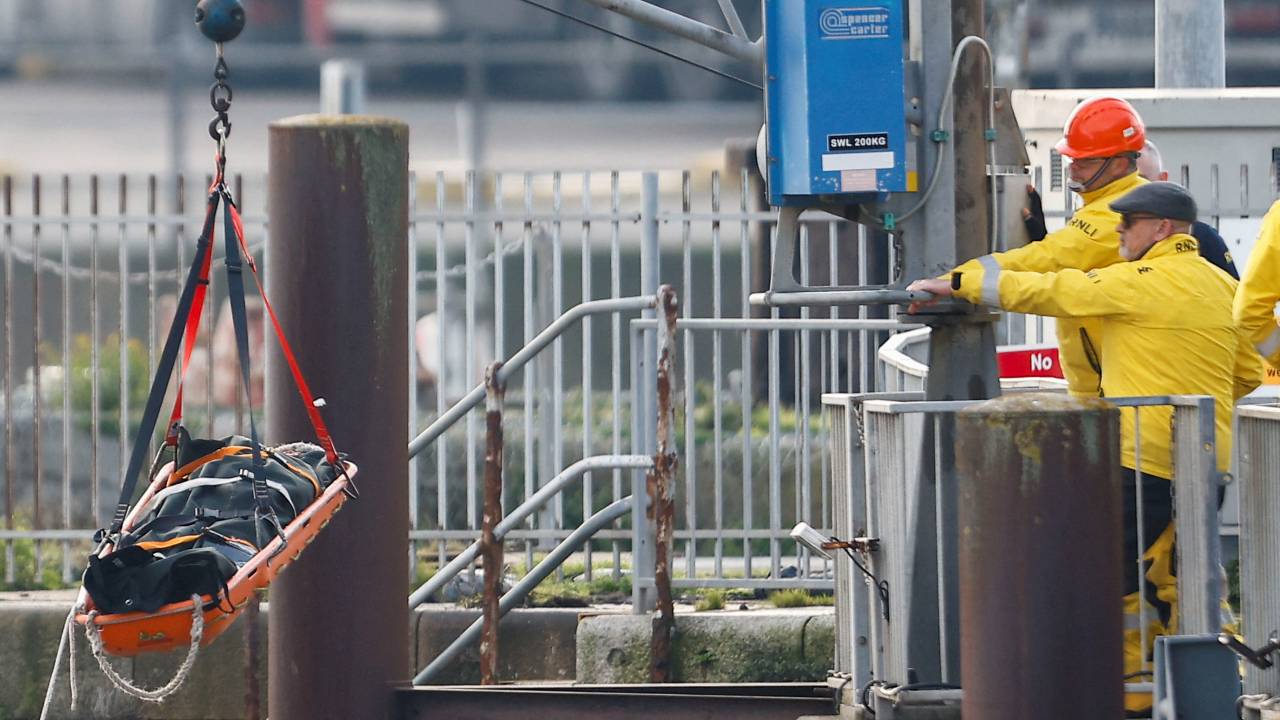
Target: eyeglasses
{"type": "Point", "coordinates": [1128, 219]}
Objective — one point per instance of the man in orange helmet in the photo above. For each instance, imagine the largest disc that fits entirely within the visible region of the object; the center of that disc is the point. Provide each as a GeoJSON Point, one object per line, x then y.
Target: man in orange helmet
{"type": "Point", "coordinates": [1100, 145]}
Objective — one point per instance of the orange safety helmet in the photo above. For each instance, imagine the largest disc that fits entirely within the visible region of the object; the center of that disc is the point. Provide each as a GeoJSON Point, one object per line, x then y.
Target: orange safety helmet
{"type": "Point", "coordinates": [1102, 127]}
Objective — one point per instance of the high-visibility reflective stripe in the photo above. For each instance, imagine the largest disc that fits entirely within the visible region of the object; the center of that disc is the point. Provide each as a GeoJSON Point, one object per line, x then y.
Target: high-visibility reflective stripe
{"type": "Point", "coordinates": [1271, 345]}
{"type": "Point", "coordinates": [1133, 621]}
{"type": "Point", "coordinates": [990, 280]}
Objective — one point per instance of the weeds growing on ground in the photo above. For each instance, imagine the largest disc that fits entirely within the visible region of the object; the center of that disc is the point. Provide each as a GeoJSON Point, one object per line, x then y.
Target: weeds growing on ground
{"type": "Point", "coordinates": [710, 600]}
{"type": "Point", "coordinates": [799, 598]}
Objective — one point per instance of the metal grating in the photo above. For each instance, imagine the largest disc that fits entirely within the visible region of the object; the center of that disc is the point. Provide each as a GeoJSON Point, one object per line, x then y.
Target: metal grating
{"type": "Point", "coordinates": [1258, 455]}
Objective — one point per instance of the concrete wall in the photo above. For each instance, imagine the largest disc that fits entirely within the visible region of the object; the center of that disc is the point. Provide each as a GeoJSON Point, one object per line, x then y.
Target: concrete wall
{"type": "Point", "coordinates": [763, 645]}
{"type": "Point", "coordinates": [533, 645]}
{"type": "Point", "coordinates": [790, 645]}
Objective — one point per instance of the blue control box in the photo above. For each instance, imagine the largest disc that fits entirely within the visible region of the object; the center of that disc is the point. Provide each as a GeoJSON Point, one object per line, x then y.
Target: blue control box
{"type": "Point", "coordinates": [834, 100]}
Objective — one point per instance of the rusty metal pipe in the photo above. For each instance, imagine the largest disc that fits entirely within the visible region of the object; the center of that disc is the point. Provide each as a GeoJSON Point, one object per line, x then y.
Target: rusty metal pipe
{"type": "Point", "coordinates": [338, 638]}
{"type": "Point", "coordinates": [661, 504]}
{"type": "Point", "coordinates": [1040, 567]}
{"type": "Point", "coordinates": [490, 543]}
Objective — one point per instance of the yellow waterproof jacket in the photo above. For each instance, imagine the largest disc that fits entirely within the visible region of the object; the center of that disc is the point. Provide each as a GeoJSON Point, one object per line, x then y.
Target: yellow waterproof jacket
{"type": "Point", "coordinates": [1255, 304]}
{"type": "Point", "coordinates": [1167, 321]}
{"type": "Point", "coordinates": [1088, 241]}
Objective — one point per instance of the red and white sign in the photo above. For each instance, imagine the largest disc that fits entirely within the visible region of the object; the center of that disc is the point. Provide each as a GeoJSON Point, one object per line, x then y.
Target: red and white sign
{"type": "Point", "coordinates": [1022, 361]}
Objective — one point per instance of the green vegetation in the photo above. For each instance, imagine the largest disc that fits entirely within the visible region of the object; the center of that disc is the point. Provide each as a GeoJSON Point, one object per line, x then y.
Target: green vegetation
{"type": "Point", "coordinates": [48, 576]}
{"type": "Point", "coordinates": [704, 414]}
{"type": "Point", "coordinates": [702, 464]}
{"type": "Point", "coordinates": [799, 598]}
{"type": "Point", "coordinates": [570, 593]}
{"type": "Point", "coordinates": [602, 588]}
{"type": "Point", "coordinates": [710, 600]}
{"type": "Point", "coordinates": [81, 381]}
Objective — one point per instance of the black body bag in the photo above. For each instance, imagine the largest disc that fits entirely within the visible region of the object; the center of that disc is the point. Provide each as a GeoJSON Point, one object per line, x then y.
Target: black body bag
{"type": "Point", "coordinates": [207, 522]}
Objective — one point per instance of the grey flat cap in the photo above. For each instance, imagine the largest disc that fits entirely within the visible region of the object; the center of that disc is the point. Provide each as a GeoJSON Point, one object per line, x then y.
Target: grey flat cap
{"type": "Point", "coordinates": [1161, 199]}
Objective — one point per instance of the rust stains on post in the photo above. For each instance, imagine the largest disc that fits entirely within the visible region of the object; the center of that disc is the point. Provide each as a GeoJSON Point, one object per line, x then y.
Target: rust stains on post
{"type": "Point", "coordinates": [338, 277]}
{"type": "Point", "coordinates": [490, 546]}
{"type": "Point", "coordinates": [661, 505]}
{"type": "Point", "coordinates": [1040, 566]}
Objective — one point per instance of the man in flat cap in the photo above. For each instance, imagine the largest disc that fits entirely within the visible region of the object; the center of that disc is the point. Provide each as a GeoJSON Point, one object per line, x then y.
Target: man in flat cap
{"type": "Point", "coordinates": [1166, 317]}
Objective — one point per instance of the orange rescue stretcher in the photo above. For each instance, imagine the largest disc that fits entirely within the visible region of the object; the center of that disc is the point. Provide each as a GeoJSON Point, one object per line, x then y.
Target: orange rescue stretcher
{"type": "Point", "coordinates": [171, 626]}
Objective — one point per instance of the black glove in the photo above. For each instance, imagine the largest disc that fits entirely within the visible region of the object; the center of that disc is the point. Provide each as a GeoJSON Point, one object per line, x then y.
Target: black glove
{"type": "Point", "coordinates": [1033, 215]}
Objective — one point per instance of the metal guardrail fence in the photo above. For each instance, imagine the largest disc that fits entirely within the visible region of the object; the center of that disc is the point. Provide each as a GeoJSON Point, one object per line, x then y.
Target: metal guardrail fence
{"type": "Point", "coordinates": [499, 257]}
{"type": "Point", "coordinates": [730, 362]}
{"type": "Point", "coordinates": [879, 475]}
{"type": "Point", "coordinates": [91, 271]}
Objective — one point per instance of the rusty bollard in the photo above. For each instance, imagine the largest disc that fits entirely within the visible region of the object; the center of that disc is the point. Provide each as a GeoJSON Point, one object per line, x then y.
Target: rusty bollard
{"type": "Point", "coordinates": [1040, 558]}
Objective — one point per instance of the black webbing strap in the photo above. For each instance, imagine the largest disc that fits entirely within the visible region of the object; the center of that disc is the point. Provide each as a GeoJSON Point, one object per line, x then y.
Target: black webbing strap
{"type": "Point", "coordinates": [239, 318]}
{"type": "Point", "coordinates": [165, 523]}
{"type": "Point", "coordinates": [164, 372]}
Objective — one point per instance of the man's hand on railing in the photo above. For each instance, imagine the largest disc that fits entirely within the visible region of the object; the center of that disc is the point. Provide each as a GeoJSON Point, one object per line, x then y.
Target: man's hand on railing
{"type": "Point", "coordinates": [937, 287]}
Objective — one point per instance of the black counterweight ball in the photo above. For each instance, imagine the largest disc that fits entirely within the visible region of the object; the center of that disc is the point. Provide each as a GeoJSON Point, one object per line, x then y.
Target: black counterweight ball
{"type": "Point", "coordinates": [220, 20]}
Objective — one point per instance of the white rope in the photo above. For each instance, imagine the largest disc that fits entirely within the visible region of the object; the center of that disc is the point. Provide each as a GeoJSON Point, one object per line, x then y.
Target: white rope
{"type": "Point", "coordinates": [57, 665]}
{"type": "Point", "coordinates": [123, 684]}
{"type": "Point", "coordinates": [71, 652]}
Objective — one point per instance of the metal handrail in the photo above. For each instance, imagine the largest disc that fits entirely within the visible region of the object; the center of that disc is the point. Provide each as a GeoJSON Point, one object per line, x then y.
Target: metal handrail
{"type": "Point", "coordinates": [791, 324]}
{"type": "Point", "coordinates": [539, 342]}
{"type": "Point", "coordinates": [527, 508]}
{"type": "Point", "coordinates": [567, 547]}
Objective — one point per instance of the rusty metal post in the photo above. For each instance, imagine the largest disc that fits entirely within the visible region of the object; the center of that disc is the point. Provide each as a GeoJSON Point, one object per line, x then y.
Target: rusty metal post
{"type": "Point", "coordinates": [661, 504]}
{"type": "Point", "coordinates": [252, 661]}
{"type": "Point", "coordinates": [962, 347]}
{"type": "Point", "coordinates": [338, 633]}
{"type": "Point", "coordinates": [1040, 566]}
{"type": "Point", "coordinates": [490, 545]}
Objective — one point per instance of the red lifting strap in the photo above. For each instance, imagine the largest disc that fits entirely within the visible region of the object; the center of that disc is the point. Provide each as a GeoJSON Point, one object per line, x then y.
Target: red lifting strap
{"type": "Point", "coordinates": [317, 422]}
{"type": "Point", "coordinates": [193, 328]}
{"type": "Point", "coordinates": [194, 314]}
